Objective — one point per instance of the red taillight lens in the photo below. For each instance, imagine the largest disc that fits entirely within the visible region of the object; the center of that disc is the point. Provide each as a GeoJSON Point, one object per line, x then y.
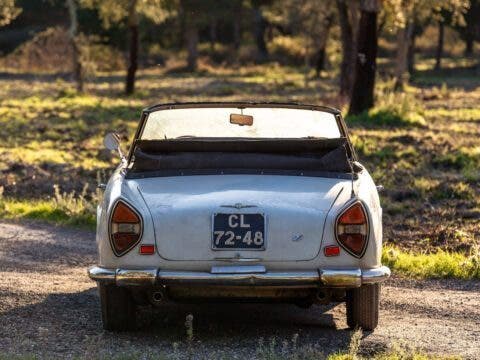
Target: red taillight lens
{"type": "Point", "coordinates": [332, 250]}
{"type": "Point", "coordinates": [352, 229]}
{"type": "Point", "coordinates": [125, 228]}
{"type": "Point", "coordinates": [147, 249]}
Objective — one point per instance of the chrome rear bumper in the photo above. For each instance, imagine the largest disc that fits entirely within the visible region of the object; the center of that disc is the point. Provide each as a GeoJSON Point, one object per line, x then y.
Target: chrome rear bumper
{"type": "Point", "coordinates": [343, 278]}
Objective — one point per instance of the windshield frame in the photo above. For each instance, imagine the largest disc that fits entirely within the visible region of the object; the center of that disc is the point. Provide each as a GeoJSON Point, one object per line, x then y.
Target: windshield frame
{"type": "Point", "coordinates": [241, 104]}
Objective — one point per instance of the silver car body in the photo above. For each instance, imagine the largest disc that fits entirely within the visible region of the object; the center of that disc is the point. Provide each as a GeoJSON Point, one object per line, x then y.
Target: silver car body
{"type": "Point", "coordinates": [300, 213]}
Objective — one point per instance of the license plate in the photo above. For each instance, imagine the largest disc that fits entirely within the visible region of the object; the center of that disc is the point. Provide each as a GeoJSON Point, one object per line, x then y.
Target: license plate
{"type": "Point", "coordinates": [238, 231]}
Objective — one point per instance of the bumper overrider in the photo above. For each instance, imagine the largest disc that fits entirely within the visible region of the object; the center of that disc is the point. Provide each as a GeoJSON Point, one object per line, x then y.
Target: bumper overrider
{"type": "Point", "coordinates": [340, 278]}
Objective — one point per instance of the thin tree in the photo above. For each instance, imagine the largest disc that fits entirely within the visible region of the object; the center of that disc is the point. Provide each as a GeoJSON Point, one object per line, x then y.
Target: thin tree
{"type": "Point", "coordinates": [321, 54]}
{"type": "Point", "coordinates": [364, 80]}
{"type": "Point", "coordinates": [440, 41]}
{"type": "Point", "coordinates": [259, 28]}
{"type": "Point", "coordinates": [404, 41]}
{"type": "Point", "coordinates": [191, 13]}
{"type": "Point", "coordinates": [471, 31]}
{"type": "Point", "coordinates": [404, 14]}
{"type": "Point", "coordinates": [347, 65]}
{"type": "Point", "coordinates": [128, 12]}
{"type": "Point", "coordinates": [74, 43]}
{"type": "Point", "coordinates": [133, 47]}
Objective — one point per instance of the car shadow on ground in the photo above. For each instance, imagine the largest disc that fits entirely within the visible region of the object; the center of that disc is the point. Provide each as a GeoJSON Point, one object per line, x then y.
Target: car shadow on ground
{"type": "Point", "coordinates": [221, 327]}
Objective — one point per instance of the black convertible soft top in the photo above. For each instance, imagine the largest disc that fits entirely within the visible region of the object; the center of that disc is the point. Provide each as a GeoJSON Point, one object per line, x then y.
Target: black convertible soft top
{"type": "Point", "coordinates": [175, 157]}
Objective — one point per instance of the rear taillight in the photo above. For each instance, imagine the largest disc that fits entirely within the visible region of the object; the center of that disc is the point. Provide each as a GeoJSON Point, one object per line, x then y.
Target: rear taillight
{"type": "Point", "coordinates": [351, 229]}
{"type": "Point", "coordinates": [125, 228]}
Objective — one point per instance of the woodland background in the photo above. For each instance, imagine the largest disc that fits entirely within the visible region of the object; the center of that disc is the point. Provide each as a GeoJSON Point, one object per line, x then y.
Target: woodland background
{"type": "Point", "coordinates": [406, 73]}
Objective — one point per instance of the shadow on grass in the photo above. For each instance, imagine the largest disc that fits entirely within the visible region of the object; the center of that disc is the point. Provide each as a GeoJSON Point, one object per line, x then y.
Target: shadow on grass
{"type": "Point", "coordinates": [463, 77]}
{"type": "Point", "coordinates": [384, 118]}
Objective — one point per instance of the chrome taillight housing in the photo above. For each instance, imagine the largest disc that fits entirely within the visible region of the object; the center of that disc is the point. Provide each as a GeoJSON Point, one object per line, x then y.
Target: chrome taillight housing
{"type": "Point", "coordinates": [125, 228]}
{"type": "Point", "coordinates": [351, 229]}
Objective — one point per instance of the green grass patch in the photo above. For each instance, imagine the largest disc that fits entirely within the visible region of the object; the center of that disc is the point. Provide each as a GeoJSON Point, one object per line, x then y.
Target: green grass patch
{"type": "Point", "coordinates": [45, 210]}
{"type": "Point", "coordinates": [460, 159]}
{"type": "Point", "coordinates": [391, 110]}
{"type": "Point", "coordinates": [63, 209]}
{"type": "Point", "coordinates": [465, 114]}
{"type": "Point", "coordinates": [441, 264]}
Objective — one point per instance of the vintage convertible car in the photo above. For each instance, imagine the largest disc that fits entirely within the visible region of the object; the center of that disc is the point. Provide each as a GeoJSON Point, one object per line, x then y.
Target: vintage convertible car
{"type": "Point", "coordinates": [240, 202]}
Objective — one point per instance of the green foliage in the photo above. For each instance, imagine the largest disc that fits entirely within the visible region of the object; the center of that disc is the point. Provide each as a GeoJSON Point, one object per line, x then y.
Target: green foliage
{"type": "Point", "coordinates": [441, 264]}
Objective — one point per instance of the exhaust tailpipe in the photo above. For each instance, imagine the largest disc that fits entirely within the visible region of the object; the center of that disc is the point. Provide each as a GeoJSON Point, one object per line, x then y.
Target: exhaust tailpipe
{"type": "Point", "coordinates": [157, 297]}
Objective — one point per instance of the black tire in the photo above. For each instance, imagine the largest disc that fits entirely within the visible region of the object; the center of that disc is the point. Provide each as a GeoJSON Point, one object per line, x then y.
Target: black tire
{"type": "Point", "coordinates": [118, 308]}
{"type": "Point", "coordinates": [362, 307]}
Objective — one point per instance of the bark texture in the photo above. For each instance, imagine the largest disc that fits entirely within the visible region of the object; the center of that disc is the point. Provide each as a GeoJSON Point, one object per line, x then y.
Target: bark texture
{"type": "Point", "coordinates": [404, 36]}
{"type": "Point", "coordinates": [364, 81]}
{"type": "Point", "coordinates": [259, 29]}
{"type": "Point", "coordinates": [191, 38]}
{"type": "Point", "coordinates": [348, 52]}
{"type": "Point", "coordinates": [320, 55]}
{"type": "Point", "coordinates": [73, 35]}
{"type": "Point", "coordinates": [133, 50]}
{"type": "Point", "coordinates": [439, 50]}
{"type": "Point", "coordinates": [411, 55]}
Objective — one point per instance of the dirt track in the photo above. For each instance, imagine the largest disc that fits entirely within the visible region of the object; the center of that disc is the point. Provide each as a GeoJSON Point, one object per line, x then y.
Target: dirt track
{"type": "Point", "coordinates": [58, 315]}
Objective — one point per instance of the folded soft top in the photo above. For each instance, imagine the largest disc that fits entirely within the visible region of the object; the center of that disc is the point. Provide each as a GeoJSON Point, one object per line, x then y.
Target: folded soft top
{"type": "Point", "coordinates": [238, 155]}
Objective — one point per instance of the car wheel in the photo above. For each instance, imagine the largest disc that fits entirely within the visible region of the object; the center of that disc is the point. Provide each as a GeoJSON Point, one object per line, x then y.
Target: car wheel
{"type": "Point", "coordinates": [118, 308]}
{"type": "Point", "coordinates": [362, 307]}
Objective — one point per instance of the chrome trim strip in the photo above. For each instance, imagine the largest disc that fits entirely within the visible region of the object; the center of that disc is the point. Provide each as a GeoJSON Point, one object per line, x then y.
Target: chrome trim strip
{"type": "Point", "coordinates": [376, 275]}
{"type": "Point", "coordinates": [238, 259]}
{"type": "Point", "coordinates": [238, 269]}
{"type": "Point", "coordinates": [136, 277]}
{"type": "Point", "coordinates": [343, 278]}
{"type": "Point", "coordinates": [304, 278]}
{"type": "Point", "coordinates": [101, 274]}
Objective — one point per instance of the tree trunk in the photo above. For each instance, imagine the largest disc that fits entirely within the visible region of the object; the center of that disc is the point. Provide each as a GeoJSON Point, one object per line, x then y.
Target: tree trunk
{"type": "Point", "coordinates": [469, 45]}
{"type": "Point", "coordinates": [213, 34]}
{"type": "Point", "coordinates": [133, 51]}
{"type": "Point", "coordinates": [321, 52]}
{"type": "Point", "coordinates": [73, 32]}
{"type": "Point", "coordinates": [236, 30]}
{"type": "Point", "coordinates": [191, 37]}
{"type": "Point", "coordinates": [259, 28]}
{"type": "Point", "coordinates": [348, 54]}
{"type": "Point", "coordinates": [411, 54]}
{"type": "Point", "coordinates": [364, 80]}
{"type": "Point", "coordinates": [404, 36]}
{"type": "Point", "coordinates": [439, 51]}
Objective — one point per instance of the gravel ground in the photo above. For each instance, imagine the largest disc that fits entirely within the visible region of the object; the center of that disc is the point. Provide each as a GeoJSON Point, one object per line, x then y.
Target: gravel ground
{"type": "Point", "coordinates": [49, 308]}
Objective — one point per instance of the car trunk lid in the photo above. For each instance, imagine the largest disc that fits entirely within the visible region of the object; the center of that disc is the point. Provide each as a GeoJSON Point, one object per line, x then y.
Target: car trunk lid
{"type": "Point", "coordinates": [294, 208]}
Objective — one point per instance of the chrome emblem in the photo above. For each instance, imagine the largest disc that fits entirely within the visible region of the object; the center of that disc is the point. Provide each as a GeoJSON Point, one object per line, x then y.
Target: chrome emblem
{"type": "Point", "coordinates": [297, 237]}
{"type": "Point", "coordinates": [238, 206]}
